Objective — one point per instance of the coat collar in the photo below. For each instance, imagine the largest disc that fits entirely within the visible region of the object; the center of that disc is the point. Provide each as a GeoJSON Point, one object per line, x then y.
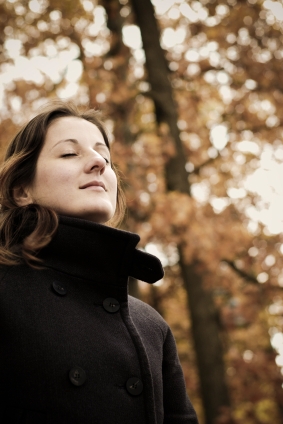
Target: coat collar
{"type": "Point", "coordinates": [93, 251]}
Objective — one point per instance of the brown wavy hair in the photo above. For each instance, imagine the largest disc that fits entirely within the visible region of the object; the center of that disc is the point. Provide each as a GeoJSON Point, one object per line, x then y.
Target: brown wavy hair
{"type": "Point", "coordinates": [24, 230]}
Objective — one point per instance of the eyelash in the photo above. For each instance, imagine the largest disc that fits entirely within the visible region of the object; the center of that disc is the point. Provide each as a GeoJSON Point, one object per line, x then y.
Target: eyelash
{"type": "Point", "coordinates": [68, 154]}
{"type": "Point", "coordinates": [74, 154]}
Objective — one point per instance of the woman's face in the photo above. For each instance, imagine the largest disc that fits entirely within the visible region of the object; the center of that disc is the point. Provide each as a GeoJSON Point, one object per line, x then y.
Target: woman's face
{"type": "Point", "coordinates": [73, 173]}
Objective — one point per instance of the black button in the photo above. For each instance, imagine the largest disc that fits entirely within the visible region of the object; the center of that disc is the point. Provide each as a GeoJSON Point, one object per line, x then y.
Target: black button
{"type": "Point", "coordinates": [77, 376]}
{"type": "Point", "coordinates": [59, 289]}
{"type": "Point", "coordinates": [111, 305]}
{"type": "Point", "coordinates": [134, 386]}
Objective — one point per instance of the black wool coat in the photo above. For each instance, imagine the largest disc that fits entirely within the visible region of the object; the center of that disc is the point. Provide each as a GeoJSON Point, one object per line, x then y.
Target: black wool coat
{"type": "Point", "coordinates": [75, 348]}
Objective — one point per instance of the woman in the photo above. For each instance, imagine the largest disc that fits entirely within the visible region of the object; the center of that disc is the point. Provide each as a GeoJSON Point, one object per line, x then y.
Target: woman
{"type": "Point", "coordinates": [75, 348]}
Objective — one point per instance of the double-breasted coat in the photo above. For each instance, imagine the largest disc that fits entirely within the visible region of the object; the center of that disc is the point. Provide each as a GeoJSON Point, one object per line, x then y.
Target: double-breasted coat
{"type": "Point", "coordinates": [75, 348]}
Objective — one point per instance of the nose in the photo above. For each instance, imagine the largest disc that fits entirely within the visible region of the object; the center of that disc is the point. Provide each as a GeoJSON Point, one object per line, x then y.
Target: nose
{"type": "Point", "coordinates": [95, 162]}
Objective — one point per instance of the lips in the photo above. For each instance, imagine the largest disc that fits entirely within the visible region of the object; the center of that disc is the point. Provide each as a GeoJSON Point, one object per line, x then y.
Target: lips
{"type": "Point", "coordinates": [93, 184]}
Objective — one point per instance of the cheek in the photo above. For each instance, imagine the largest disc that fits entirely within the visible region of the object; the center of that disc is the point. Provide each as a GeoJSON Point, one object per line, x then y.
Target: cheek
{"type": "Point", "coordinates": [114, 185]}
{"type": "Point", "coordinates": [54, 178]}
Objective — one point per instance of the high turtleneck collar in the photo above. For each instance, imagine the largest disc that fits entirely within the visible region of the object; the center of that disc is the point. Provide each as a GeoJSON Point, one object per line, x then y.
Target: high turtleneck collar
{"type": "Point", "coordinates": [84, 249]}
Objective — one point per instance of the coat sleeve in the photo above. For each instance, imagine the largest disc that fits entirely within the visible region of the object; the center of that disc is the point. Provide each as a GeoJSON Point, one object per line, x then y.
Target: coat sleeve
{"type": "Point", "coordinates": [177, 406]}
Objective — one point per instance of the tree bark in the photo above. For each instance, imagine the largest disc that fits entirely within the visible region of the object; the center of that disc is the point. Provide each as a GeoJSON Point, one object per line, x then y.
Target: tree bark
{"type": "Point", "coordinates": [161, 92]}
{"type": "Point", "coordinates": [204, 317]}
{"type": "Point", "coordinates": [209, 350]}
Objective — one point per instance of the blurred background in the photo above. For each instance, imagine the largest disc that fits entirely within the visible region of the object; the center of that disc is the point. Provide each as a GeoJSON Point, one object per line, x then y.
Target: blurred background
{"type": "Point", "coordinates": [192, 94]}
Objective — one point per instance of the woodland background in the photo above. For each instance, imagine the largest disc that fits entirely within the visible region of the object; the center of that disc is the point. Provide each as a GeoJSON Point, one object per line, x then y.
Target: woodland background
{"type": "Point", "coordinates": [192, 92]}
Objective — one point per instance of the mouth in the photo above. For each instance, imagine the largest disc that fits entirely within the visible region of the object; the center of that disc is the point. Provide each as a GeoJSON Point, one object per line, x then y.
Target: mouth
{"type": "Point", "coordinates": [94, 184]}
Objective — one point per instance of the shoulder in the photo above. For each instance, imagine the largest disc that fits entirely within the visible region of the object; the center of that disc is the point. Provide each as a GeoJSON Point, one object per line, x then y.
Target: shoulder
{"type": "Point", "coordinates": [10, 271]}
{"type": "Point", "coordinates": [17, 276]}
{"type": "Point", "coordinates": [144, 314]}
{"type": "Point", "coordinates": [6, 271]}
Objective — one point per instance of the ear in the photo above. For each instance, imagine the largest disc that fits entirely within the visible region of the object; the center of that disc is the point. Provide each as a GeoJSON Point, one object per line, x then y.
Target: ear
{"type": "Point", "coordinates": [22, 196]}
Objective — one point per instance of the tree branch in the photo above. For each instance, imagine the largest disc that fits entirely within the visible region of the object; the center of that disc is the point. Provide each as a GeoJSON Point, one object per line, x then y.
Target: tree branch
{"type": "Point", "coordinates": [248, 277]}
{"type": "Point", "coordinates": [197, 169]}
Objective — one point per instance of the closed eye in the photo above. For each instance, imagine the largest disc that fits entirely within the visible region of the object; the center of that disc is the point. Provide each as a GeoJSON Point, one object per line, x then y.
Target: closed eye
{"type": "Point", "coordinates": [68, 154]}
{"type": "Point", "coordinates": [65, 155]}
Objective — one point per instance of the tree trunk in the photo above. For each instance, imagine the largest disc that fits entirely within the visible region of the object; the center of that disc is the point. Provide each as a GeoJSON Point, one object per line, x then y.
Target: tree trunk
{"type": "Point", "coordinates": [205, 327]}
{"type": "Point", "coordinates": [209, 351]}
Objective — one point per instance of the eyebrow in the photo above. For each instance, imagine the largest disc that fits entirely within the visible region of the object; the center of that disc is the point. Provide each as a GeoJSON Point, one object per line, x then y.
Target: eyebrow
{"type": "Point", "coordinates": [75, 141]}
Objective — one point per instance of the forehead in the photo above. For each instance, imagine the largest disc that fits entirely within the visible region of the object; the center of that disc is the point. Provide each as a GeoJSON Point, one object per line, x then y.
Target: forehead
{"type": "Point", "coordinates": [73, 127]}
